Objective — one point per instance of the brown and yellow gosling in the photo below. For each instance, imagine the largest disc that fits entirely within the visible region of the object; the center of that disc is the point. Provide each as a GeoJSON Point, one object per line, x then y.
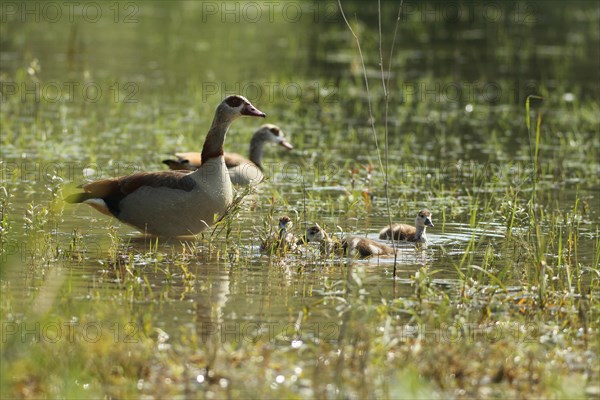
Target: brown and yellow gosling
{"type": "Point", "coordinates": [409, 233]}
{"type": "Point", "coordinates": [348, 246]}
{"type": "Point", "coordinates": [283, 240]}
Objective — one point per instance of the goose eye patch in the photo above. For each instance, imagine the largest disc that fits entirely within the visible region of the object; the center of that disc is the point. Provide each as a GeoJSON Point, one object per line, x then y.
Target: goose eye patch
{"type": "Point", "coordinates": [234, 101]}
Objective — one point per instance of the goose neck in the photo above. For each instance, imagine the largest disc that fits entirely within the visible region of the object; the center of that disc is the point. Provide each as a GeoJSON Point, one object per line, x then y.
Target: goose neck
{"type": "Point", "coordinates": [213, 144]}
{"type": "Point", "coordinates": [256, 151]}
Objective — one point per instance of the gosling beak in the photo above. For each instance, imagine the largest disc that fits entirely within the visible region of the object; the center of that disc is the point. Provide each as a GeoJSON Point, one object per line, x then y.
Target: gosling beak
{"type": "Point", "coordinates": [301, 241]}
{"type": "Point", "coordinates": [252, 111]}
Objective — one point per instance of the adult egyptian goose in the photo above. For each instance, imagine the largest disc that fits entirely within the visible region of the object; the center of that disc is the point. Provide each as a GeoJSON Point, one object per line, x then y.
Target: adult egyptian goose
{"type": "Point", "coordinates": [174, 203]}
{"type": "Point", "coordinates": [242, 171]}
{"type": "Point", "coordinates": [349, 245]}
{"type": "Point", "coordinates": [282, 241]}
{"type": "Point", "coordinates": [409, 233]}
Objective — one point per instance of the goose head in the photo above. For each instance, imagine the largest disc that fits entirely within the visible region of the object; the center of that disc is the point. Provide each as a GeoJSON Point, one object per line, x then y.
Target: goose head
{"type": "Point", "coordinates": [236, 106]}
{"type": "Point", "coordinates": [272, 133]}
{"type": "Point", "coordinates": [285, 223]}
{"type": "Point", "coordinates": [315, 234]}
{"type": "Point", "coordinates": [423, 219]}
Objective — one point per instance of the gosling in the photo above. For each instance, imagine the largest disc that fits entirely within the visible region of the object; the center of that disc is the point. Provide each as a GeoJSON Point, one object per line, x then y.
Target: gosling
{"type": "Point", "coordinates": [409, 233]}
{"type": "Point", "coordinates": [283, 240]}
{"type": "Point", "coordinates": [348, 246]}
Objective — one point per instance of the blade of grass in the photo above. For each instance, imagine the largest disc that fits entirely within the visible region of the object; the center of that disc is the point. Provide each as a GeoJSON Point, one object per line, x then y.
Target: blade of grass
{"type": "Point", "coordinates": [385, 118]}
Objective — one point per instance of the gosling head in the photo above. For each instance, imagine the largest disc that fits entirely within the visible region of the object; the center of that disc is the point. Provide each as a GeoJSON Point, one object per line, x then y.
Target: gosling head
{"type": "Point", "coordinates": [315, 234]}
{"type": "Point", "coordinates": [423, 219]}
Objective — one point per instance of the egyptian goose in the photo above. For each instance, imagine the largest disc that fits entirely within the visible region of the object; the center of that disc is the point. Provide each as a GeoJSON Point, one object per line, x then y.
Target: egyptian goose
{"type": "Point", "coordinates": [409, 233]}
{"type": "Point", "coordinates": [283, 240]}
{"type": "Point", "coordinates": [242, 171]}
{"type": "Point", "coordinates": [350, 245]}
{"type": "Point", "coordinates": [174, 203]}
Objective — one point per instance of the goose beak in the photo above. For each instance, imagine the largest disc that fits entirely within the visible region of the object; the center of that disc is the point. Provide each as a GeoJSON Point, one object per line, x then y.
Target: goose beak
{"type": "Point", "coordinates": [252, 111]}
{"type": "Point", "coordinates": [428, 222]}
{"type": "Point", "coordinates": [286, 144]}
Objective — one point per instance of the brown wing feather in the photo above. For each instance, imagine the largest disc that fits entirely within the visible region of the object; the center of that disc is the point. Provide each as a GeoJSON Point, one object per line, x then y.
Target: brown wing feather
{"type": "Point", "coordinates": [113, 190]}
{"type": "Point", "coordinates": [179, 166]}
{"type": "Point", "coordinates": [128, 184]}
{"type": "Point", "coordinates": [193, 159]}
{"type": "Point", "coordinates": [233, 160]}
{"type": "Point", "coordinates": [363, 246]}
{"type": "Point", "coordinates": [185, 161]}
{"type": "Point", "coordinates": [178, 180]}
{"type": "Point", "coordinates": [398, 232]}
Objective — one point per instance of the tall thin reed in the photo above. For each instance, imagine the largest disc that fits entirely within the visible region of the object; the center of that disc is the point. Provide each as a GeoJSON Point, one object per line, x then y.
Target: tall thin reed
{"type": "Point", "coordinates": [386, 103]}
{"type": "Point", "coordinates": [385, 118]}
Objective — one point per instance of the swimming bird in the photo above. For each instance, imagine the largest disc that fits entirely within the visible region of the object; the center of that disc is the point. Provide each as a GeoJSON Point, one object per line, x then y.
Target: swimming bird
{"type": "Point", "coordinates": [282, 241]}
{"type": "Point", "coordinates": [349, 245]}
{"type": "Point", "coordinates": [409, 233]}
{"type": "Point", "coordinates": [174, 203]}
{"type": "Point", "coordinates": [242, 171]}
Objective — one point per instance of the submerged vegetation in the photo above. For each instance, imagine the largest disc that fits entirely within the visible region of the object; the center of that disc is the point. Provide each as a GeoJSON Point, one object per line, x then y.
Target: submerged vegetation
{"type": "Point", "coordinates": [503, 302]}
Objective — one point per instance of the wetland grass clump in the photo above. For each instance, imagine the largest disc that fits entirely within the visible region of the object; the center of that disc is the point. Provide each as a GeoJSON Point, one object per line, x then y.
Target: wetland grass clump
{"type": "Point", "coordinates": [4, 212]}
{"type": "Point", "coordinates": [98, 353]}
